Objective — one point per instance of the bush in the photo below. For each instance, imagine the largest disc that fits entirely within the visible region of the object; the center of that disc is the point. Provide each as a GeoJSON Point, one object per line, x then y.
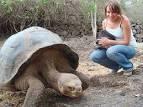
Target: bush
{"type": "Point", "coordinates": [17, 15]}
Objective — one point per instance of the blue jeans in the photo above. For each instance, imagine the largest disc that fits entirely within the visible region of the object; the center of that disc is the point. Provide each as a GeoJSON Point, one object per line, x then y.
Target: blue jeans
{"type": "Point", "coordinates": [115, 57]}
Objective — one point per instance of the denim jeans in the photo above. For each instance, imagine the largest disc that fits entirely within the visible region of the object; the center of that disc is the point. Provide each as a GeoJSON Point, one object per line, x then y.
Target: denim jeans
{"type": "Point", "coordinates": [114, 57]}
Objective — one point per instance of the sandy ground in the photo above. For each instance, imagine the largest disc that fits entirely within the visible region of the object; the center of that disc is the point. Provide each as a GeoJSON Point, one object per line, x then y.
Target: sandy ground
{"type": "Point", "coordinates": [105, 90]}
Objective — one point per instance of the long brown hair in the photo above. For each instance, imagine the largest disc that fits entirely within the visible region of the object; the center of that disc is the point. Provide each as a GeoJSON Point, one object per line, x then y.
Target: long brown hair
{"type": "Point", "coordinates": [114, 6]}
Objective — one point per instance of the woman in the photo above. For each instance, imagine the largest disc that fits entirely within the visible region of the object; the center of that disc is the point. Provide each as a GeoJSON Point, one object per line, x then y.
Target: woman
{"type": "Point", "coordinates": [121, 49]}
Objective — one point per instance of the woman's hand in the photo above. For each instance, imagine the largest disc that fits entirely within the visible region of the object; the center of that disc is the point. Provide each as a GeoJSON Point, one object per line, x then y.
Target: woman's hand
{"type": "Point", "coordinates": [104, 42]}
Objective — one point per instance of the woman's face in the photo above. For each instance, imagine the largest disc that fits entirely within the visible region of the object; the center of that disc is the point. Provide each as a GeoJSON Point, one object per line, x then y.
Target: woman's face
{"type": "Point", "coordinates": [111, 15]}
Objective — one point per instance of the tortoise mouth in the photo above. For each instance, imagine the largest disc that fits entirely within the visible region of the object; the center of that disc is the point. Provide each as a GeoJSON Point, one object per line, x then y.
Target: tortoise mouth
{"type": "Point", "coordinates": [72, 94]}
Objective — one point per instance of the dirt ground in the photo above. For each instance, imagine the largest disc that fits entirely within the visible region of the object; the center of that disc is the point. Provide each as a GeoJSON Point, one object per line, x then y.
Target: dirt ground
{"type": "Point", "coordinates": [105, 90]}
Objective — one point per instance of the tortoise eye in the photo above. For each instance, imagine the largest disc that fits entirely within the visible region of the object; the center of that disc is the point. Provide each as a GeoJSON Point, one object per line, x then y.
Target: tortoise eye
{"type": "Point", "coordinates": [80, 89]}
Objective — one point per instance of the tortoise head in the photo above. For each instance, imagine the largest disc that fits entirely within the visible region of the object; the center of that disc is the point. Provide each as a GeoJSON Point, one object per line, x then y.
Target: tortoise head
{"type": "Point", "coordinates": [70, 85]}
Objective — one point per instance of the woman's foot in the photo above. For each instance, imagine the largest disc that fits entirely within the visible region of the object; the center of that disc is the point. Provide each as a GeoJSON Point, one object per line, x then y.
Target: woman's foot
{"type": "Point", "coordinates": [128, 72]}
{"type": "Point", "coordinates": [121, 71]}
{"type": "Point", "coordinates": [115, 71]}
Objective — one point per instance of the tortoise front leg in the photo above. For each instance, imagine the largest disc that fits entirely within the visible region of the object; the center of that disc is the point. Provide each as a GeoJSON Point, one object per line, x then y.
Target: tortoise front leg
{"type": "Point", "coordinates": [35, 95]}
{"type": "Point", "coordinates": [85, 80]}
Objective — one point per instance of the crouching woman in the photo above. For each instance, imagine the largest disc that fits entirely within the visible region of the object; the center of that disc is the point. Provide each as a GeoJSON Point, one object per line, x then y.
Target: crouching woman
{"type": "Point", "coordinates": [116, 54]}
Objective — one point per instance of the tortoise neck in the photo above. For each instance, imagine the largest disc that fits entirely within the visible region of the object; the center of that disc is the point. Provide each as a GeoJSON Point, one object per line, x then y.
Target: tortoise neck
{"type": "Point", "coordinates": [51, 75]}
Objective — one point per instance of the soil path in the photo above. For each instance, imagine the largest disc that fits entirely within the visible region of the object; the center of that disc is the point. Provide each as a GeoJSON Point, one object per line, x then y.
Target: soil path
{"type": "Point", "coordinates": [105, 90]}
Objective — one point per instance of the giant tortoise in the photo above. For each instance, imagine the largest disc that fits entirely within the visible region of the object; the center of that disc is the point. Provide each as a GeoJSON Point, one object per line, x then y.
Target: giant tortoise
{"type": "Point", "coordinates": [36, 58]}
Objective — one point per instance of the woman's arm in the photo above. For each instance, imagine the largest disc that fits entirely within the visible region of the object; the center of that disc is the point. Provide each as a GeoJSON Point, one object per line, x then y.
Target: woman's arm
{"type": "Point", "coordinates": [126, 34]}
{"type": "Point", "coordinates": [126, 26]}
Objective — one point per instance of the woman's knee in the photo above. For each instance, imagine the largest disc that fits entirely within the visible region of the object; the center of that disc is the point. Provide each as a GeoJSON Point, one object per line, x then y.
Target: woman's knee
{"type": "Point", "coordinates": [114, 51]}
{"type": "Point", "coordinates": [96, 56]}
{"type": "Point", "coordinates": [111, 52]}
{"type": "Point", "coordinates": [93, 57]}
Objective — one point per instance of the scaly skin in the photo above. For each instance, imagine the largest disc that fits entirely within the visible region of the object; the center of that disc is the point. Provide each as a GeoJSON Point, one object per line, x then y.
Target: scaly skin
{"type": "Point", "coordinates": [48, 66]}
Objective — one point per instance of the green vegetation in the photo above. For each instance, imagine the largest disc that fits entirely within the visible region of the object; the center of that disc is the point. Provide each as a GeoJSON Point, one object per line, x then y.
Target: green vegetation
{"type": "Point", "coordinates": [15, 15]}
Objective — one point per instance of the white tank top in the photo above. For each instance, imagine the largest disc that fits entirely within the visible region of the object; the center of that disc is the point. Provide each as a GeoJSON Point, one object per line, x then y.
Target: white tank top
{"type": "Point", "coordinates": [118, 33]}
